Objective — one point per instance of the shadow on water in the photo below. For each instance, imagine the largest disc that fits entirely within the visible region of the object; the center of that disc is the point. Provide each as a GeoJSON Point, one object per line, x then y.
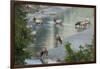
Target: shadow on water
{"type": "Point", "coordinates": [40, 39]}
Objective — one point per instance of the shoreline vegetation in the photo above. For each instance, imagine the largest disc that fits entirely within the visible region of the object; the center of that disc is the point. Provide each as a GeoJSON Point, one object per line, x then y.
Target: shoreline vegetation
{"type": "Point", "coordinates": [85, 53]}
{"type": "Point", "coordinates": [22, 36]}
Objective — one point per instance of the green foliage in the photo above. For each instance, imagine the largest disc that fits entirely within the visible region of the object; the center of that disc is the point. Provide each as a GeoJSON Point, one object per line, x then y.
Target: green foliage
{"type": "Point", "coordinates": [71, 56]}
{"type": "Point", "coordinates": [22, 36]}
{"type": "Point", "coordinates": [68, 48]}
{"type": "Point", "coordinates": [84, 54]}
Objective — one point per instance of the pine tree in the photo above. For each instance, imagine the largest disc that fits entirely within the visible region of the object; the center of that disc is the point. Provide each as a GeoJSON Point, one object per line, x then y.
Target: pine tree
{"type": "Point", "coordinates": [22, 36]}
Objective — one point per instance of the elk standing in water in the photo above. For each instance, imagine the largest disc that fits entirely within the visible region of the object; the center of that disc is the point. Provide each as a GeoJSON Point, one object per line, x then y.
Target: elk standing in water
{"type": "Point", "coordinates": [58, 26]}
{"type": "Point", "coordinates": [44, 55]}
{"type": "Point", "coordinates": [82, 24]}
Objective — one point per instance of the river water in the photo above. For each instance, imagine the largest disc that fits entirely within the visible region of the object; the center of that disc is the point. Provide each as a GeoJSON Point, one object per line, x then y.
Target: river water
{"type": "Point", "coordinates": [45, 34]}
